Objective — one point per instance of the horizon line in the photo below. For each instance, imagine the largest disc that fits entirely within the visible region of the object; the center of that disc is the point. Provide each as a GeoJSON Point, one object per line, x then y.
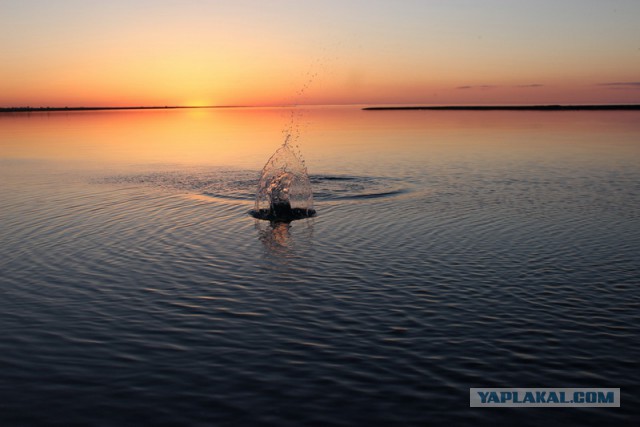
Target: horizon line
{"type": "Point", "coordinates": [533, 107]}
{"type": "Point", "coordinates": [29, 109]}
{"type": "Point", "coordinates": [366, 107]}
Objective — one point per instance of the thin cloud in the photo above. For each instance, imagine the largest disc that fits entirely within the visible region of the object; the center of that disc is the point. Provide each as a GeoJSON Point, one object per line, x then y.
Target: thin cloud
{"type": "Point", "coordinates": [621, 84]}
{"type": "Point", "coordinates": [477, 87]}
{"type": "Point", "coordinates": [530, 85]}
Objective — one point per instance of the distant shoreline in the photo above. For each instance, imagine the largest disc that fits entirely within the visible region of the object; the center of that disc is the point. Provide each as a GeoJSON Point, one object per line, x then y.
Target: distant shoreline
{"type": "Point", "coordinates": [604, 107]}
{"type": "Point", "coordinates": [53, 109]}
{"type": "Point", "coordinates": [514, 108]}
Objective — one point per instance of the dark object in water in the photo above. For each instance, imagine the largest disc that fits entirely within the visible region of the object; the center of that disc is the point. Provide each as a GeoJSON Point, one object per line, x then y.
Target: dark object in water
{"type": "Point", "coordinates": [282, 213]}
{"type": "Point", "coordinates": [281, 208]}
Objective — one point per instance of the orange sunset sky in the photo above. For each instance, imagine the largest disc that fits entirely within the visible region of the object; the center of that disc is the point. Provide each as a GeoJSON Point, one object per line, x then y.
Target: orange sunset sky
{"type": "Point", "coordinates": [124, 53]}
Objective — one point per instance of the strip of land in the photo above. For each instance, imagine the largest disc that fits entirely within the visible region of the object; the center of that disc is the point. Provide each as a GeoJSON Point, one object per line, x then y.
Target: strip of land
{"type": "Point", "coordinates": [48, 109]}
{"type": "Point", "coordinates": [622, 107]}
{"type": "Point", "coordinates": [513, 107]}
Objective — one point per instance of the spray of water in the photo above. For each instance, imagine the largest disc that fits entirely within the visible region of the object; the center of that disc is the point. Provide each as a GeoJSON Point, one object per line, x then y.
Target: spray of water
{"type": "Point", "coordinates": [284, 190]}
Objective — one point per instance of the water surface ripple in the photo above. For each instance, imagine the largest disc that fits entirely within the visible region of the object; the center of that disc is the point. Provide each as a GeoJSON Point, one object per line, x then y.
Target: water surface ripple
{"type": "Point", "coordinates": [155, 299]}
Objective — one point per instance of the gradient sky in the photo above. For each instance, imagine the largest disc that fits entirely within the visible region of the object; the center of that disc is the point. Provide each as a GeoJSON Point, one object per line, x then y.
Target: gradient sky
{"type": "Point", "coordinates": [259, 52]}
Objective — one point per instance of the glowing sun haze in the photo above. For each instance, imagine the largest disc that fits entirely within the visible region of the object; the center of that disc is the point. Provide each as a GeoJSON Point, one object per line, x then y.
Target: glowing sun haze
{"type": "Point", "coordinates": [81, 53]}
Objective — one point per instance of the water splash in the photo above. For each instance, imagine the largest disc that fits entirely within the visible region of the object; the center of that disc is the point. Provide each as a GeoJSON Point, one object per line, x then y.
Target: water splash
{"type": "Point", "coordinates": [284, 191]}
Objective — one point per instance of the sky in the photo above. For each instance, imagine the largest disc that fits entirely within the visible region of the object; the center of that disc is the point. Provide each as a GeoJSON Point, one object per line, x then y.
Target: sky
{"type": "Point", "coordinates": [281, 52]}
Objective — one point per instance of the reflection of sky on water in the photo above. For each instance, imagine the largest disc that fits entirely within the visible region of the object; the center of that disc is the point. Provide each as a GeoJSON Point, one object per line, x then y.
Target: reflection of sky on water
{"type": "Point", "coordinates": [445, 244]}
{"type": "Point", "coordinates": [337, 141]}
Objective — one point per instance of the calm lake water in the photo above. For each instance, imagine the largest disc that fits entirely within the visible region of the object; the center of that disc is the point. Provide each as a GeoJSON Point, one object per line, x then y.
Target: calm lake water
{"type": "Point", "coordinates": [451, 250]}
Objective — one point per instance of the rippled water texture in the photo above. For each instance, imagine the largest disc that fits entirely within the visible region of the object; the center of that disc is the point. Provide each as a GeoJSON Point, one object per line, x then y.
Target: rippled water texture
{"type": "Point", "coordinates": [450, 250]}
